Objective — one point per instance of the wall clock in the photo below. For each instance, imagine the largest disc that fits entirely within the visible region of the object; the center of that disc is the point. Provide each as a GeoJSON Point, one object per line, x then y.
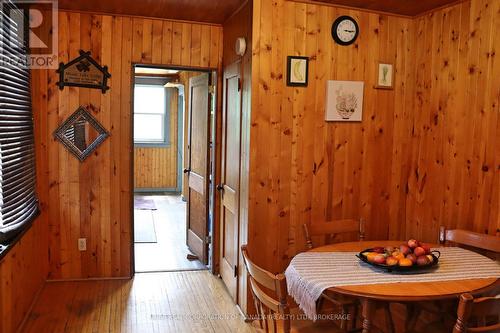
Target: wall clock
{"type": "Point", "coordinates": [345, 30]}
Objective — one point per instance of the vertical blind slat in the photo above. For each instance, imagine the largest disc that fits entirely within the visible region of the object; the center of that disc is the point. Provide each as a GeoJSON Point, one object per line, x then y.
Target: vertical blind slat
{"type": "Point", "coordinates": [18, 201]}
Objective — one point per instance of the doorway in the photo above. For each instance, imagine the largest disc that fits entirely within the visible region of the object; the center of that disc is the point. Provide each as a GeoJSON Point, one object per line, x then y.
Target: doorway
{"type": "Point", "coordinates": [173, 114]}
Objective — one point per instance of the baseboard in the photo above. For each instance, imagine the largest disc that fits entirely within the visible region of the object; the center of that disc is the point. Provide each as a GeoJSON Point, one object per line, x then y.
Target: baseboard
{"type": "Point", "coordinates": [157, 190]}
{"type": "Point", "coordinates": [90, 279]}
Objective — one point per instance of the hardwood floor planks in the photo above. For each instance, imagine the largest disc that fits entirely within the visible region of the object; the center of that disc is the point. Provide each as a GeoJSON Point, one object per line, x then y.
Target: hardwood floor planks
{"type": "Point", "coordinates": [152, 303]}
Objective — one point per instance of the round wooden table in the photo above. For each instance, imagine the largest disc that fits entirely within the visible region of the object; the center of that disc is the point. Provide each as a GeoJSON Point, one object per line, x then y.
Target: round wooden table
{"type": "Point", "coordinates": [402, 292]}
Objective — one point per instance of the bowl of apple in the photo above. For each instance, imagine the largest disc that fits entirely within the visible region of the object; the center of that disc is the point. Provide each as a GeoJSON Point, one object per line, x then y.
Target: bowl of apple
{"type": "Point", "coordinates": [413, 256]}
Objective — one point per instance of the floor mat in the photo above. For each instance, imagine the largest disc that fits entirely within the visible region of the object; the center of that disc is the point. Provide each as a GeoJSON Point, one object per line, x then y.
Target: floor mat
{"type": "Point", "coordinates": [144, 226]}
{"type": "Point", "coordinates": [143, 203]}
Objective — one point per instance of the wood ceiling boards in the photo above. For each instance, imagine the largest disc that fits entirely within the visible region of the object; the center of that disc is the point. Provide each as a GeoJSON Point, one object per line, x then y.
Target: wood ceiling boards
{"type": "Point", "coordinates": [210, 11]}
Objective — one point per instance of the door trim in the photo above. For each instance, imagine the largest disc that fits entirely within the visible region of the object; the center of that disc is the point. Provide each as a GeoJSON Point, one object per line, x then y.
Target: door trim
{"type": "Point", "coordinates": [217, 80]}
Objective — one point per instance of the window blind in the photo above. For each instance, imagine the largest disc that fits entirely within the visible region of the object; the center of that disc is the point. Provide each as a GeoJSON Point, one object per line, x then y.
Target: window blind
{"type": "Point", "coordinates": [18, 200]}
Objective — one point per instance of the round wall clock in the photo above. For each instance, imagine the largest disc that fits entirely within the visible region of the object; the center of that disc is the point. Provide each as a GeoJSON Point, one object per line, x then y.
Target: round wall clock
{"type": "Point", "coordinates": [345, 30]}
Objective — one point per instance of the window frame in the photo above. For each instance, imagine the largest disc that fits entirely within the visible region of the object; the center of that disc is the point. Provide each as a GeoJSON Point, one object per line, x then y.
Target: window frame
{"type": "Point", "coordinates": [166, 142]}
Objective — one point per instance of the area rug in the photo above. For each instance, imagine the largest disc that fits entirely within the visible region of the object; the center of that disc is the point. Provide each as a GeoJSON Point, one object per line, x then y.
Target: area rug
{"type": "Point", "coordinates": [143, 203]}
{"type": "Point", "coordinates": [144, 227]}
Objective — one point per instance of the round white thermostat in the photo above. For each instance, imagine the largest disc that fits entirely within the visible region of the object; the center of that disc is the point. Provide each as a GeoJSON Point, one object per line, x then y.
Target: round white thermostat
{"type": "Point", "coordinates": [240, 46]}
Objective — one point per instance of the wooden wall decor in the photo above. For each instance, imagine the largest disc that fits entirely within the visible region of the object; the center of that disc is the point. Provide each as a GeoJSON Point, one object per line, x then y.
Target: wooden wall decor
{"type": "Point", "coordinates": [83, 72]}
{"type": "Point", "coordinates": [93, 199]}
{"type": "Point", "coordinates": [81, 133]}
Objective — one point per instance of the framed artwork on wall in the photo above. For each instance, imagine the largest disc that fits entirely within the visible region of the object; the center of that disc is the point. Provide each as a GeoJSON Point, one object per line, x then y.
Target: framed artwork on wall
{"type": "Point", "coordinates": [297, 71]}
{"type": "Point", "coordinates": [385, 76]}
{"type": "Point", "coordinates": [344, 100]}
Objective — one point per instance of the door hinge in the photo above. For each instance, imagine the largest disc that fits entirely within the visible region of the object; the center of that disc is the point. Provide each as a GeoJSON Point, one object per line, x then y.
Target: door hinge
{"type": "Point", "coordinates": [211, 89]}
{"type": "Point", "coordinates": [239, 84]}
{"type": "Point", "coordinates": [235, 271]}
{"type": "Point", "coordinates": [208, 239]}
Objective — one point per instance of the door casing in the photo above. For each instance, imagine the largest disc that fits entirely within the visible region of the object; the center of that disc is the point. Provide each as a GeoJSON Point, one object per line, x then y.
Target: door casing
{"type": "Point", "coordinates": [215, 157]}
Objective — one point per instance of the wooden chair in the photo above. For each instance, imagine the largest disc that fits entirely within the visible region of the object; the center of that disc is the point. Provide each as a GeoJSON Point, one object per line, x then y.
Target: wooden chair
{"type": "Point", "coordinates": [273, 309]}
{"type": "Point", "coordinates": [333, 228]}
{"type": "Point", "coordinates": [484, 312]}
{"type": "Point", "coordinates": [485, 244]}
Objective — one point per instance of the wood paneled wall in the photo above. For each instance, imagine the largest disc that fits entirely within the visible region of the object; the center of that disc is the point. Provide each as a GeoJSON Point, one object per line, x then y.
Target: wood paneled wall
{"type": "Point", "coordinates": [425, 154]}
{"type": "Point", "coordinates": [22, 274]}
{"type": "Point", "coordinates": [92, 199]}
{"type": "Point", "coordinates": [454, 176]}
{"type": "Point", "coordinates": [303, 169]}
{"type": "Point", "coordinates": [157, 167]}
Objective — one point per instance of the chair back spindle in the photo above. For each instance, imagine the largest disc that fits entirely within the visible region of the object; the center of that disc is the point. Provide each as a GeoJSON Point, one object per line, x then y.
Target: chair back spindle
{"type": "Point", "coordinates": [484, 311]}
{"type": "Point", "coordinates": [333, 228]}
{"type": "Point", "coordinates": [272, 308]}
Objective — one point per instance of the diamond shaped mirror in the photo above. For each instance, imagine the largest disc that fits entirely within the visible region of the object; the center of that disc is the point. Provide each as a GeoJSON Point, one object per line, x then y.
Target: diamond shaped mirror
{"type": "Point", "coordinates": [81, 133]}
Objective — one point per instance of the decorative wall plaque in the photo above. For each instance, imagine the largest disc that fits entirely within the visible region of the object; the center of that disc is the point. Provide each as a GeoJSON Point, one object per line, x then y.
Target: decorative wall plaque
{"type": "Point", "coordinates": [85, 72]}
{"type": "Point", "coordinates": [81, 133]}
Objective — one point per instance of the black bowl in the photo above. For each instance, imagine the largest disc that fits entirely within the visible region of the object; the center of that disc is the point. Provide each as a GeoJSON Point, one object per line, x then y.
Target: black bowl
{"type": "Point", "coordinates": [397, 268]}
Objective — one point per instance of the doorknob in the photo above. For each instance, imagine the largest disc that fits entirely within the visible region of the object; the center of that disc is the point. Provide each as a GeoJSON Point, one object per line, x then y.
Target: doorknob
{"type": "Point", "coordinates": [220, 188]}
{"type": "Point", "coordinates": [187, 170]}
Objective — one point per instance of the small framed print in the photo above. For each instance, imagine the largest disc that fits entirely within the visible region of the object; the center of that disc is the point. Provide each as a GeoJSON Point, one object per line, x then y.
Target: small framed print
{"type": "Point", "coordinates": [297, 71]}
{"type": "Point", "coordinates": [385, 76]}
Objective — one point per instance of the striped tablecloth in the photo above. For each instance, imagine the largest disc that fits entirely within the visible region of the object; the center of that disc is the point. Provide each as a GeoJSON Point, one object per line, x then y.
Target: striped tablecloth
{"type": "Point", "coordinates": [310, 273]}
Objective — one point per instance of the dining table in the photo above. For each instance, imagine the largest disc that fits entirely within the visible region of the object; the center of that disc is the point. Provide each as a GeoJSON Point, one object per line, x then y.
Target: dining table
{"type": "Point", "coordinates": [372, 294]}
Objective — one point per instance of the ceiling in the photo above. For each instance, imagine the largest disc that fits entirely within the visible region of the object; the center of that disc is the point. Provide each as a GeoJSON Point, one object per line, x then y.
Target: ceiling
{"type": "Point", "coordinates": [400, 7]}
{"type": "Point", "coordinates": [212, 11]}
{"type": "Point", "coordinates": [217, 11]}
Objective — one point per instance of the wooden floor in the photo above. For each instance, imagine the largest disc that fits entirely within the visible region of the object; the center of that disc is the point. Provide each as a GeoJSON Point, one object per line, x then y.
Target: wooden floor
{"type": "Point", "coordinates": [170, 251]}
{"type": "Point", "coordinates": [152, 302]}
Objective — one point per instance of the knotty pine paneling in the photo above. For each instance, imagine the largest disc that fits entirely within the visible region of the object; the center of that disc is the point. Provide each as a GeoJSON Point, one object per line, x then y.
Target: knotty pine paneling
{"type": "Point", "coordinates": [157, 167]}
{"type": "Point", "coordinates": [426, 152]}
{"type": "Point", "coordinates": [92, 199]}
{"type": "Point", "coordinates": [303, 169]}
{"type": "Point", "coordinates": [454, 177]}
{"type": "Point", "coordinates": [22, 274]}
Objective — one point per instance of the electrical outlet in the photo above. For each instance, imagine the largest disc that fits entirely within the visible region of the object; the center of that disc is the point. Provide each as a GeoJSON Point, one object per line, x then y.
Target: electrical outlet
{"type": "Point", "coordinates": [82, 244]}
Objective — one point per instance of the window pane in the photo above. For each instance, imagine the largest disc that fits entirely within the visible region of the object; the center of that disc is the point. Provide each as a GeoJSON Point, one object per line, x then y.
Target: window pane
{"type": "Point", "coordinates": [149, 99]}
{"type": "Point", "coordinates": [148, 128]}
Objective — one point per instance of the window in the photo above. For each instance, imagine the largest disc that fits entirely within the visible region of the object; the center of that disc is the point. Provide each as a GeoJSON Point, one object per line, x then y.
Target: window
{"type": "Point", "coordinates": [18, 201]}
{"type": "Point", "coordinates": [150, 115]}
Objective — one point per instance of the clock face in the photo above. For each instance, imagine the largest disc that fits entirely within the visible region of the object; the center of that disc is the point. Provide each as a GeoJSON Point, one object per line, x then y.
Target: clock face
{"type": "Point", "coordinates": [345, 30]}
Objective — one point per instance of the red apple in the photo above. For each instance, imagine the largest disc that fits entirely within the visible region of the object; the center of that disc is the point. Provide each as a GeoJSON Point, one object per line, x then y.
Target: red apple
{"type": "Point", "coordinates": [378, 249]}
{"type": "Point", "coordinates": [404, 249]}
{"type": "Point", "coordinates": [427, 248]}
{"type": "Point", "coordinates": [413, 243]}
{"type": "Point", "coordinates": [423, 260]}
{"type": "Point", "coordinates": [419, 251]}
{"type": "Point", "coordinates": [379, 259]}
{"type": "Point", "coordinates": [412, 257]}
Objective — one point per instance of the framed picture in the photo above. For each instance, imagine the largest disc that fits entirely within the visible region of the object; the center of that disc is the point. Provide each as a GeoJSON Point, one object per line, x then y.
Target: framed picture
{"type": "Point", "coordinates": [297, 71]}
{"type": "Point", "coordinates": [385, 76]}
{"type": "Point", "coordinates": [344, 100]}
